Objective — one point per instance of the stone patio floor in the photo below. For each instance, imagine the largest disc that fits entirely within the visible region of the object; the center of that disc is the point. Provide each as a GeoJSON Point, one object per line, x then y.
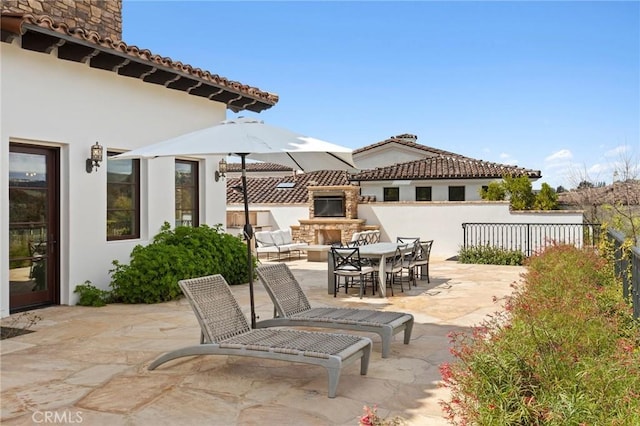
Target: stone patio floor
{"type": "Point", "coordinates": [87, 365]}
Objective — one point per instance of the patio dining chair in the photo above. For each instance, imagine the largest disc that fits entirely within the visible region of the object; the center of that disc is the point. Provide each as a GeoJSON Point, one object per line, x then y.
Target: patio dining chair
{"type": "Point", "coordinates": [348, 264]}
{"type": "Point", "coordinates": [292, 308]}
{"type": "Point", "coordinates": [409, 263]}
{"type": "Point", "coordinates": [407, 240]}
{"type": "Point", "coordinates": [422, 261]}
{"type": "Point", "coordinates": [224, 331]}
{"type": "Point", "coordinates": [394, 268]}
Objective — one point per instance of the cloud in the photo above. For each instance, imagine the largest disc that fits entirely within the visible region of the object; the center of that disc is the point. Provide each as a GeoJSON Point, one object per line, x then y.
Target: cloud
{"type": "Point", "coordinates": [562, 155]}
{"type": "Point", "coordinates": [507, 159]}
{"type": "Point", "coordinates": [617, 151]}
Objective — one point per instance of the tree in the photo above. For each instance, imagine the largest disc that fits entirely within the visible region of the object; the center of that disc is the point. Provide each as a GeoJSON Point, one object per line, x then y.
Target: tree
{"type": "Point", "coordinates": [546, 199]}
{"type": "Point", "coordinates": [616, 205]}
{"type": "Point", "coordinates": [495, 191]}
{"type": "Point", "coordinates": [520, 192]}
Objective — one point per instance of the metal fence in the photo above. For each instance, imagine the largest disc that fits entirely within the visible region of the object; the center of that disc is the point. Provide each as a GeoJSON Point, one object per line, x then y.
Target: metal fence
{"type": "Point", "coordinates": [529, 238]}
{"type": "Point", "coordinates": [627, 268]}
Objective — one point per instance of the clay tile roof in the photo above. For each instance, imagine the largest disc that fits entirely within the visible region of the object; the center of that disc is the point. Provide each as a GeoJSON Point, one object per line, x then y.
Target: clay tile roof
{"type": "Point", "coordinates": [41, 33]}
{"type": "Point", "coordinates": [259, 167]}
{"type": "Point", "coordinates": [265, 190]}
{"type": "Point", "coordinates": [408, 140]}
{"type": "Point", "coordinates": [443, 167]}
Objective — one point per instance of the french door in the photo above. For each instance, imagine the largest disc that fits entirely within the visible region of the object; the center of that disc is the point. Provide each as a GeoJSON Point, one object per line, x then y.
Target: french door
{"type": "Point", "coordinates": [33, 226]}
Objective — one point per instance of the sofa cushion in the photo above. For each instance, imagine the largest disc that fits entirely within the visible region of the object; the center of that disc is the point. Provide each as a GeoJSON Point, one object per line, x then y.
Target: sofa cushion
{"type": "Point", "coordinates": [264, 239]}
{"type": "Point", "coordinates": [281, 237]}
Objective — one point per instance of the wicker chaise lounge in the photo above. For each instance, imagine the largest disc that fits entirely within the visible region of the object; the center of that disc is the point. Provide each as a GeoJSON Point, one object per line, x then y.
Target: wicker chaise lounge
{"type": "Point", "coordinates": [292, 308]}
{"type": "Point", "coordinates": [225, 331]}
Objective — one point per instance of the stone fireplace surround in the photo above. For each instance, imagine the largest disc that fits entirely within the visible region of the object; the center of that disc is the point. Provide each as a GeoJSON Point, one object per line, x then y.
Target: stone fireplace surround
{"type": "Point", "coordinates": [329, 230]}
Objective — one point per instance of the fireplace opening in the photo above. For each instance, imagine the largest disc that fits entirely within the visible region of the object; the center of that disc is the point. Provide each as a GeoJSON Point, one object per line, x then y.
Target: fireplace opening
{"type": "Point", "coordinates": [328, 236]}
{"type": "Point", "coordinates": [329, 206]}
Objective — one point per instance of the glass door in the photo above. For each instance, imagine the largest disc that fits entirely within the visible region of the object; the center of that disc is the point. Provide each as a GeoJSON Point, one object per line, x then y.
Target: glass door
{"type": "Point", "coordinates": [33, 226]}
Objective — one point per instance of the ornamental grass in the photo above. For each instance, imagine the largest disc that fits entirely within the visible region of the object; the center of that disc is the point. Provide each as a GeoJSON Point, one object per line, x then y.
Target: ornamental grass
{"type": "Point", "coordinates": [565, 351]}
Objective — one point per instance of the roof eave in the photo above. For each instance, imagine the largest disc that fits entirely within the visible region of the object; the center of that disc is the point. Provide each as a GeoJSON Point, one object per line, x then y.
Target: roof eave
{"type": "Point", "coordinates": [118, 57]}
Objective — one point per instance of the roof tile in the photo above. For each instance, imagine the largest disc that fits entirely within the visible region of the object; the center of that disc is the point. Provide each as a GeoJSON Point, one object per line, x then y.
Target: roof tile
{"type": "Point", "coordinates": [443, 167]}
{"type": "Point", "coordinates": [18, 23]}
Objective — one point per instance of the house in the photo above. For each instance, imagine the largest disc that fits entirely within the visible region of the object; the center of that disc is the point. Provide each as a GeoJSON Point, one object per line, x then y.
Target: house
{"type": "Point", "coordinates": [74, 94]}
{"type": "Point", "coordinates": [400, 169]}
{"type": "Point", "coordinates": [428, 193]}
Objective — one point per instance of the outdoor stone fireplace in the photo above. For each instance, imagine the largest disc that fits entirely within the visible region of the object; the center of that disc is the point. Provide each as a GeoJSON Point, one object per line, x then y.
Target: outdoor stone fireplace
{"type": "Point", "coordinates": [333, 216]}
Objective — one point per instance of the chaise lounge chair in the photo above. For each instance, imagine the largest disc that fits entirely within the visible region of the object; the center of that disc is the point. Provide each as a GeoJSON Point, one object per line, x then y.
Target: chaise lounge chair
{"type": "Point", "coordinates": [225, 331]}
{"type": "Point", "coordinates": [292, 308]}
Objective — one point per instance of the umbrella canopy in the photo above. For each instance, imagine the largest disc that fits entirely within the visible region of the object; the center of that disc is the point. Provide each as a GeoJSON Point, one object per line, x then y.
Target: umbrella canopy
{"type": "Point", "coordinates": [251, 138]}
{"type": "Point", "coordinates": [258, 141]}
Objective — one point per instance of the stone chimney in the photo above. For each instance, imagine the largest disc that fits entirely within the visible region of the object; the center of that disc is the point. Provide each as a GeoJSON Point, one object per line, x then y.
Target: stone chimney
{"type": "Point", "coordinates": [102, 16]}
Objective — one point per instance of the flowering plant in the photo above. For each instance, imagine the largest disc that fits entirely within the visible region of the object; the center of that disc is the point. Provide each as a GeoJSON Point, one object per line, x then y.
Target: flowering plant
{"type": "Point", "coordinates": [371, 418]}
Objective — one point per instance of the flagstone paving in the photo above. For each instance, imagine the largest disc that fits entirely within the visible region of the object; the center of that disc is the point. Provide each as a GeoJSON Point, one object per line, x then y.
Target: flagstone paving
{"type": "Point", "coordinates": [89, 365]}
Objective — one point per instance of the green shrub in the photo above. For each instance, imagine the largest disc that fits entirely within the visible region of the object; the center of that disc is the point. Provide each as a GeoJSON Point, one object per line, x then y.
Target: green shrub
{"type": "Point", "coordinates": [495, 191]}
{"type": "Point", "coordinates": [521, 195]}
{"type": "Point", "coordinates": [546, 199]}
{"type": "Point", "coordinates": [566, 351]}
{"type": "Point", "coordinates": [185, 252]}
{"type": "Point", "coordinates": [90, 295]}
{"type": "Point", "coordinates": [489, 255]}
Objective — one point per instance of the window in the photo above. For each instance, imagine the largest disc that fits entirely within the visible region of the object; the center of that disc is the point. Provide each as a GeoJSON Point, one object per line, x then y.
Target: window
{"type": "Point", "coordinates": [456, 193]}
{"type": "Point", "coordinates": [391, 194]}
{"type": "Point", "coordinates": [123, 199]}
{"type": "Point", "coordinates": [423, 193]}
{"type": "Point", "coordinates": [187, 193]}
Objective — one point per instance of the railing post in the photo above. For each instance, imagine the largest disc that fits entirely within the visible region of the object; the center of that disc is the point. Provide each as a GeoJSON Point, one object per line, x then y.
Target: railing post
{"type": "Point", "coordinates": [464, 235]}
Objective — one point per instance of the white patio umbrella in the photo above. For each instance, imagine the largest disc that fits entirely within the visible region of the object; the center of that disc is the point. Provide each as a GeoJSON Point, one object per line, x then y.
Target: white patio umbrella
{"type": "Point", "coordinates": [251, 138]}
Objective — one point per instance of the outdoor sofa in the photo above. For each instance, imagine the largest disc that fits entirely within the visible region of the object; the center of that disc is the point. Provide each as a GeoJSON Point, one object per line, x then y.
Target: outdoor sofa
{"type": "Point", "coordinates": [277, 242]}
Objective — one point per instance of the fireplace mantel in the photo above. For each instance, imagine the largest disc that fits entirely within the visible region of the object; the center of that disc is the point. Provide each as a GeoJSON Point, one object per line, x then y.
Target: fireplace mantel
{"type": "Point", "coordinates": [323, 230]}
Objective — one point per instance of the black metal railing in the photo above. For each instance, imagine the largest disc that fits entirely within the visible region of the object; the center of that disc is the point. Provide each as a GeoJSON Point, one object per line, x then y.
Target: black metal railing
{"type": "Point", "coordinates": [529, 238]}
{"type": "Point", "coordinates": [627, 268]}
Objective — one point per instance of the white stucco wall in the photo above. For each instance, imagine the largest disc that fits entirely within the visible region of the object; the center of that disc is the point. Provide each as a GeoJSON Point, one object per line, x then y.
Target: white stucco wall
{"type": "Point", "coordinates": [48, 101]}
{"type": "Point", "coordinates": [442, 222]}
{"type": "Point", "coordinates": [274, 216]}
{"type": "Point", "coordinates": [439, 188]}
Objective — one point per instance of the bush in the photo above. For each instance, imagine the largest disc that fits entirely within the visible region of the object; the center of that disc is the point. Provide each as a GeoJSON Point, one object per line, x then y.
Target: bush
{"type": "Point", "coordinates": [91, 295]}
{"type": "Point", "coordinates": [495, 191]}
{"type": "Point", "coordinates": [186, 252]}
{"type": "Point", "coordinates": [521, 195]}
{"type": "Point", "coordinates": [565, 352]}
{"type": "Point", "coordinates": [488, 255]}
{"type": "Point", "coordinates": [546, 199]}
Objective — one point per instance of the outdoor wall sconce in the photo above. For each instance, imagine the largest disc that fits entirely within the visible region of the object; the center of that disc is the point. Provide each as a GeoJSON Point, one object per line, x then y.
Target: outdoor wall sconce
{"type": "Point", "coordinates": [95, 159]}
{"type": "Point", "coordinates": [222, 170]}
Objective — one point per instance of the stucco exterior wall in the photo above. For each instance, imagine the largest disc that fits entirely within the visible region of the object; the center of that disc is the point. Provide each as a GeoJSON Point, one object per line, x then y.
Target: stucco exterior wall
{"type": "Point", "coordinates": [439, 188]}
{"type": "Point", "coordinates": [273, 217]}
{"type": "Point", "coordinates": [442, 222]}
{"type": "Point", "coordinates": [48, 101]}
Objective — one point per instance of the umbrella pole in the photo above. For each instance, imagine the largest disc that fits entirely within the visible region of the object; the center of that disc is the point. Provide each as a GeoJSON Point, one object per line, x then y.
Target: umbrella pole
{"type": "Point", "coordinates": [248, 235]}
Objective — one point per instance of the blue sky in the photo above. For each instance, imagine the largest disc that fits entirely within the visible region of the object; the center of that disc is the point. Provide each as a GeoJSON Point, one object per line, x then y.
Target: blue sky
{"type": "Point", "coordinates": [551, 86]}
